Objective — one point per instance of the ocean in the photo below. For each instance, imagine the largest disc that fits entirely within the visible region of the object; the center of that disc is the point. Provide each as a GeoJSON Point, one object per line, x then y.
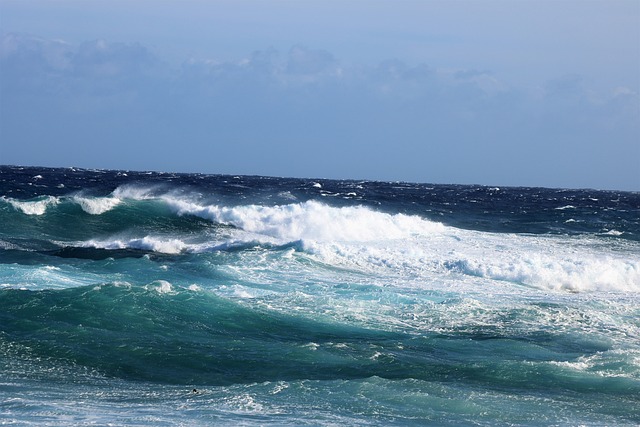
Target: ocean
{"type": "Point", "coordinates": [162, 299]}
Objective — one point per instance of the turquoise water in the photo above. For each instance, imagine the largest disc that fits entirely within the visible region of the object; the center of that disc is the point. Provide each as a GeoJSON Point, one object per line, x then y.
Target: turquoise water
{"type": "Point", "coordinates": [160, 299]}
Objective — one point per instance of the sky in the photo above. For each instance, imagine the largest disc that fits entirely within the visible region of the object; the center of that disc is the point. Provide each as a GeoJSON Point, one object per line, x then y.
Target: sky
{"type": "Point", "coordinates": [511, 93]}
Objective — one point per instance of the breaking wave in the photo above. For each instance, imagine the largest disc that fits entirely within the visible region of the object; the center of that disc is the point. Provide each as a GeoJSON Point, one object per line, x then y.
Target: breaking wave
{"type": "Point", "coordinates": [356, 237]}
{"type": "Point", "coordinates": [97, 205]}
{"type": "Point", "coordinates": [32, 207]}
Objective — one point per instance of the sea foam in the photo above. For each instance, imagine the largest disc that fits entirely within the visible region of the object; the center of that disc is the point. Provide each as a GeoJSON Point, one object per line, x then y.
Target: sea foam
{"type": "Point", "coordinates": [543, 262]}
{"type": "Point", "coordinates": [580, 272]}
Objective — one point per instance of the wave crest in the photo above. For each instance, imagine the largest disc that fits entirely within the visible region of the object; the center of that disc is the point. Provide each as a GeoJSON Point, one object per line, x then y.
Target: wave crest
{"type": "Point", "coordinates": [97, 205]}
{"type": "Point", "coordinates": [313, 221]}
{"type": "Point", "coordinates": [147, 243]}
{"type": "Point", "coordinates": [562, 274]}
{"type": "Point", "coordinates": [32, 207]}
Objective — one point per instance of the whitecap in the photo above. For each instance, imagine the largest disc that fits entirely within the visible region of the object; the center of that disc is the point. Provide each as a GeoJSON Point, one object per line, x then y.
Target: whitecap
{"type": "Point", "coordinates": [550, 263]}
{"type": "Point", "coordinates": [549, 268]}
{"type": "Point", "coordinates": [134, 192]}
{"type": "Point", "coordinates": [162, 287]}
{"type": "Point", "coordinates": [313, 221]}
{"type": "Point", "coordinates": [32, 207]}
{"type": "Point", "coordinates": [167, 246]}
{"type": "Point", "coordinates": [147, 243]}
{"type": "Point", "coordinates": [97, 205]}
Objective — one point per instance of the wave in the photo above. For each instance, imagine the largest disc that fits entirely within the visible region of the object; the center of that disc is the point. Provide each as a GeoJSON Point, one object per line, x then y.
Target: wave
{"type": "Point", "coordinates": [32, 207]}
{"type": "Point", "coordinates": [165, 333]}
{"type": "Point", "coordinates": [355, 237]}
{"type": "Point", "coordinates": [40, 205]}
{"type": "Point", "coordinates": [136, 192]}
{"type": "Point", "coordinates": [313, 221]}
{"type": "Point", "coordinates": [97, 205]}
{"type": "Point", "coordinates": [44, 276]}
{"type": "Point", "coordinates": [462, 257]}
{"type": "Point", "coordinates": [309, 220]}
{"type": "Point", "coordinates": [147, 243]}
{"type": "Point", "coordinates": [152, 247]}
{"type": "Point", "coordinates": [584, 273]}
{"type": "Point", "coordinates": [170, 334]}
{"type": "Point", "coordinates": [419, 260]}
{"type": "Point", "coordinates": [94, 205]}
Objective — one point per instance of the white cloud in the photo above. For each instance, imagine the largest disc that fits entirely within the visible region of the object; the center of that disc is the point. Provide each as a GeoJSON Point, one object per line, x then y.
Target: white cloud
{"type": "Point", "coordinates": [35, 66]}
{"type": "Point", "coordinates": [102, 59]}
{"type": "Point", "coordinates": [22, 47]}
{"type": "Point", "coordinates": [257, 114]}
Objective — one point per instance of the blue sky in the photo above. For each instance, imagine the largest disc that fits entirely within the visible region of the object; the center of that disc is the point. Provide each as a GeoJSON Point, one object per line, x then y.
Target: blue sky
{"type": "Point", "coordinates": [535, 93]}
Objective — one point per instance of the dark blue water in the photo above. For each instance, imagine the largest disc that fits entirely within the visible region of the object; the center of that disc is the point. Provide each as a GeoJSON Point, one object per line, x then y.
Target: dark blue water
{"type": "Point", "coordinates": [145, 298]}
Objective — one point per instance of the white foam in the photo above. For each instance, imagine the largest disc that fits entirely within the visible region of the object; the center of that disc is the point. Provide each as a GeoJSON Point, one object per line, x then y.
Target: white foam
{"type": "Point", "coordinates": [243, 403]}
{"type": "Point", "coordinates": [147, 243]}
{"type": "Point", "coordinates": [97, 205]}
{"type": "Point", "coordinates": [552, 263]}
{"type": "Point", "coordinates": [313, 221]}
{"type": "Point", "coordinates": [612, 363]}
{"type": "Point", "coordinates": [361, 238]}
{"type": "Point", "coordinates": [162, 287]}
{"type": "Point", "coordinates": [33, 207]}
{"type": "Point", "coordinates": [575, 272]}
